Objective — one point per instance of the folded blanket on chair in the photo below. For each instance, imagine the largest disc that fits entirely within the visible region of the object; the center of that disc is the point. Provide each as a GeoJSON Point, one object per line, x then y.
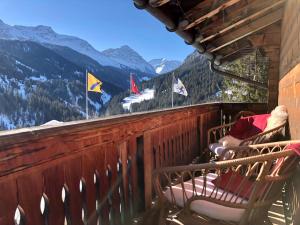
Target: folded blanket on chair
{"type": "Point", "coordinates": [295, 147]}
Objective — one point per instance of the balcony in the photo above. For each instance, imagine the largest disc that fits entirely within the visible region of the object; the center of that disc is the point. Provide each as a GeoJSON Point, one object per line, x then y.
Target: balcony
{"type": "Point", "coordinates": [100, 171]}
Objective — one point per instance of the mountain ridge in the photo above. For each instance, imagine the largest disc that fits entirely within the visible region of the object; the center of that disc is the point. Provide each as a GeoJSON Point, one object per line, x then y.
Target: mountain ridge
{"type": "Point", "coordinates": [46, 35]}
{"type": "Point", "coordinates": [164, 65]}
{"type": "Point", "coordinates": [125, 55]}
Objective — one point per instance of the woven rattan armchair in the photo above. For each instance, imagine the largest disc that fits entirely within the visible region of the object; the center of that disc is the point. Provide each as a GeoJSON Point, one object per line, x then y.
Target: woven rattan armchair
{"type": "Point", "coordinates": [184, 190]}
{"type": "Point", "coordinates": [216, 133]}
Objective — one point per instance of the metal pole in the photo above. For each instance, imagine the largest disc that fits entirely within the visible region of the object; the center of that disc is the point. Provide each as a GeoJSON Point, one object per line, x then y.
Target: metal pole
{"type": "Point", "coordinates": [236, 77]}
{"type": "Point", "coordinates": [130, 109]}
{"type": "Point", "coordinates": [130, 83]}
{"type": "Point", "coordinates": [173, 90]}
{"type": "Point", "coordinates": [86, 96]}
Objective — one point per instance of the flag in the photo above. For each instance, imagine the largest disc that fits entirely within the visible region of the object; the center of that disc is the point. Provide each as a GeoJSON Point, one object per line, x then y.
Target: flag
{"type": "Point", "coordinates": [178, 87]}
{"type": "Point", "coordinates": [94, 84]}
{"type": "Point", "coordinates": [134, 88]}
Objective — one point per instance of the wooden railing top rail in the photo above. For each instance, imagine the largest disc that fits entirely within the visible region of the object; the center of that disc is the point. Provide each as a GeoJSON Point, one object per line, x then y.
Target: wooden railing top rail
{"type": "Point", "coordinates": [26, 134]}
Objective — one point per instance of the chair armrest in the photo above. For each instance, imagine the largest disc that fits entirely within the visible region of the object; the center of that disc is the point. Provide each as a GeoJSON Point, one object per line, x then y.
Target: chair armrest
{"type": "Point", "coordinates": [243, 114]}
{"type": "Point", "coordinates": [255, 149]}
{"type": "Point", "coordinates": [215, 133]}
{"type": "Point", "coordinates": [264, 137]}
{"type": "Point", "coordinates": [258, 166]}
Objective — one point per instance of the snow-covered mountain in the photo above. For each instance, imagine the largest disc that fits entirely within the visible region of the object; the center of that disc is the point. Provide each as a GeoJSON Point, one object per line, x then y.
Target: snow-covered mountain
{"type": "Point", "coordinates": [45, 34]}
{"type": "Point", "coordinates": [128, 57]}
{"type": "Point", "coordinates": [164, 66]}
{"type": "Point", "coordinates": [123, 57]}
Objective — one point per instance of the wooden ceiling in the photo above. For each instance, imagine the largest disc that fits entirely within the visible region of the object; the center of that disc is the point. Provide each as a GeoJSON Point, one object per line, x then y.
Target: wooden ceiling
{"type": "Point", "coordinates": [223, 30]}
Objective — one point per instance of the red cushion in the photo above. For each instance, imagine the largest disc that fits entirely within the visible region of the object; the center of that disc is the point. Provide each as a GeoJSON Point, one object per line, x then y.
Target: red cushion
{"type": "Point", "coordinates": [261, 121]}
{"type": "Point", "coordinates": [234, 185]}
{"type": "Point", "coordinates": [249, 126]}
{"type": "Point", "coordinates": [240, 127]}
{"type": "Point", "coordinates": [295, 147]}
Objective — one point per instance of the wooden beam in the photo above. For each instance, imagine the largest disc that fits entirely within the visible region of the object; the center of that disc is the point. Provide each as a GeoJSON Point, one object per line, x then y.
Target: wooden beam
{"type": "Point", "coordinates": [238, 46]}
{"type": "Point", "coordinates": [250, 28]}
{"type": "Point", "coordinates": [234, 15]}
{"type": "Point", "coordinates": [264, 11]}
{"type": "Point", "coordinates": [212, 13]}
{"type": "Point", "coordinates": [270, 37]}
{"type": "Point", "coordinates": [157, 3]}
{"type": "Point", "coordinates": [200, 9]}
{"type": "Point", "coordinates": [237, 54]}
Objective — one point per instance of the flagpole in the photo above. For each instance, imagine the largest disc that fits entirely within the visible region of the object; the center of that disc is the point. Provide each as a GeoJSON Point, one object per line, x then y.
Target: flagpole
{"type": "Point", "coordinates": [86, 96]}
{"type": "Point", "coordinates": [130, 91]}
{"type": "Point", "coordinates": [172, 89]}
{"type": "Point", "coordinates": [130, 83]}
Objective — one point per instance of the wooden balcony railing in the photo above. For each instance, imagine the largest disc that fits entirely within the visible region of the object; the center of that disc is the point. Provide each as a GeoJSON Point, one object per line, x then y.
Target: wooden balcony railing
{"type": "Point", "coordinates": [291, 199]}
{"type": "Point", "coordinates": [98, 170]}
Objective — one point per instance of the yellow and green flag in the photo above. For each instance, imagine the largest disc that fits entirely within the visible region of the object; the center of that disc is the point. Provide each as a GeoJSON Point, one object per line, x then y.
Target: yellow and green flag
{"type": "Point", "coordinates": [93, 83]}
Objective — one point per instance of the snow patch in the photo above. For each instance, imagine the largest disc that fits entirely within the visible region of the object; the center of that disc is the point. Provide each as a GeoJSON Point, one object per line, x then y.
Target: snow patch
{"type": "Point", "coordinates": [78, 73]}
{"type": "Point", "coordinates": [159, 69]}
{"type": "Point", "coordinates": [40, 78]}
{"type": "Point", "coordinates": [22, 64]}
{"type": "Point", "coordinates": [229, 92]}
{"type": "Point", "coordinates": [52, 123]}
{"type": "Point", "coordinates": [21, 90]}
{"type": "Point", "coordinates": [144, 79]}
{"type": "Point", "coordinates": [146, 94]}
{"type": "Point", "coordinates": [8, 124]}
{"type": "Point", "coordinates": [105, 97]}
{"type": "Point", "coordinates": [96, 105]}
{"type": "Point", "coordinates": [164, 66]}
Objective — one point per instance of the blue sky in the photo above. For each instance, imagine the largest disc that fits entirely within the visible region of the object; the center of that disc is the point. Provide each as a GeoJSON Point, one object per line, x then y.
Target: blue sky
{"type": "Point", "coordinates": [103, 23]}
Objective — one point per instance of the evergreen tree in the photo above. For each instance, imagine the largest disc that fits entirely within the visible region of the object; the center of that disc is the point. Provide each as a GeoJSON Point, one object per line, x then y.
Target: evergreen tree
{"type": "Point", "coordinates": [252, 66]}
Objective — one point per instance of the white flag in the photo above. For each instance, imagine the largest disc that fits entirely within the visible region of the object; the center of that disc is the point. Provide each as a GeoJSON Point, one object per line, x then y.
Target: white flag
{"type": "Point", "coordinates": [178, 87]}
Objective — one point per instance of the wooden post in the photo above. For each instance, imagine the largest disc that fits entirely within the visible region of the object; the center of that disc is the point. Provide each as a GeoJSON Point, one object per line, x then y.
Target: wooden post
{"type": "Point", "coordinates": [273, 77]}
{"type": "Point", "coordinates": [123, 157]}
{"type": "Point", "coordinates": [148, 167]}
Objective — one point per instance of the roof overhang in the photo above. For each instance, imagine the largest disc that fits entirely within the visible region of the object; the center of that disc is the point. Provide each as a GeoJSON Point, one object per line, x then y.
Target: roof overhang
{"type": "Point", "coordinates": [223, 30]}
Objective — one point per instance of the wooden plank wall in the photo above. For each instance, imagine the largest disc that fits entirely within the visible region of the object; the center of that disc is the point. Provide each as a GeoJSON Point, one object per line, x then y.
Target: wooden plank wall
{"type": "Point", "coordinates": [289, 95]}
{"type": "Point", "coordinates": [87, 171]}
{"type": "Point", "coordinates": [289, 85]}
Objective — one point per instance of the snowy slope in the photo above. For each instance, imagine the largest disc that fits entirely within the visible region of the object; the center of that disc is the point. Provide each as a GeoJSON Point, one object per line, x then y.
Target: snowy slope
{"type": "Point", "coordinates": [38, 85]}
{"type": "Point", "coordinates": [164, 66]}
{"type": "Point", "coordinates": [146, 94]}
{"type": "Point", "coordinates": [128, 57]}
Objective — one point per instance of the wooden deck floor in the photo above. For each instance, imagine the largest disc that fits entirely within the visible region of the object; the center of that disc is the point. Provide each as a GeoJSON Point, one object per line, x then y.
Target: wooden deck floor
{"type": "Point", "coordinates": [276, 213]}
{"type": "Point", "coordinates": [276, 216]}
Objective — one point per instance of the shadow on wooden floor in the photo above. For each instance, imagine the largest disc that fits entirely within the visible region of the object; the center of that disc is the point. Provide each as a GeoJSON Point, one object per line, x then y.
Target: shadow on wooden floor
{"type": "Point", "coordinates": [151, 217]}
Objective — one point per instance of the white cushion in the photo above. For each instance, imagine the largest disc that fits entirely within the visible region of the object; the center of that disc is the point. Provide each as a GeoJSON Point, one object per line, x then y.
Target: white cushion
{"type": "Point", "coordinates": [278, 117]}
{"type": "Point", "coordinates": [229, 141]}
{"type": "Point", "coordinates": [216, 148]}
{"type": "Point", "coordinates": [203, 207]}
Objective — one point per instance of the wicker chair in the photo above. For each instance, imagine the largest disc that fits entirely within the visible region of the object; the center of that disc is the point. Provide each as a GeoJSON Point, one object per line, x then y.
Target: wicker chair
{"type": "Point", "coordinates": [184, 190]}
{"type": "Point", "coordinates": [216, 133]}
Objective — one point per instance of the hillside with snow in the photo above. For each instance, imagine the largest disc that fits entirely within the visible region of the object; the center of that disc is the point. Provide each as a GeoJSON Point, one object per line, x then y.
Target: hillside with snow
{"type": "Point", "coordinates": [146, 94]}
{"type": "Point", "coordinates": [42, 76]}
{"type": "Point", "coordinates": [38, 85]}
{"type": "Point", "coordinates": [201, 83]}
